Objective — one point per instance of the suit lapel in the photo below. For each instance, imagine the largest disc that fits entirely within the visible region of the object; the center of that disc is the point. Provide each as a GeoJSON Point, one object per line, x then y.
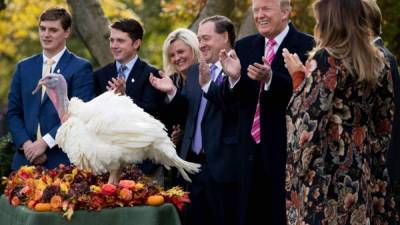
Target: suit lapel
{"type": "Point", "coordinates": [37, 70]}
{"type": "Point", "coordinates": [112, 72]}
{"type": "Point", "coordinates": [134, 75]}
{"type": "Point", "coordinates": [60, 68]}
{"type": "Point", "coordinates": [208, 105]}
{"type": "Point", "coordinates": [258, 48]}
{"type": "Point", "coordinates": [194, 88]}
{"type": "Point", "coordinates": [258, 52]}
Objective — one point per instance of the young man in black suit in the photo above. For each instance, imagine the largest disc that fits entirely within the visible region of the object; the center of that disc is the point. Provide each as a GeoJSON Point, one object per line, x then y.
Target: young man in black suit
{"type": "Point", "coordinates": [128, 74]}
{"type": "Point", "coordinates": [263, 87]}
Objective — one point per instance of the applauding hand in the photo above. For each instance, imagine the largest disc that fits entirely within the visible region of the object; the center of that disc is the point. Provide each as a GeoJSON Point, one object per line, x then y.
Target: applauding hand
{"type": "Point", "coordinates": [230, 64]}
{"type": "Point", "coordinates": [163, 84]}
{"type": "Point", "coordinates": [292, 62]}
{"type": "Point", "coordinates": [260, 72]}
{"type": "Point", "coordinates": [204, 72]}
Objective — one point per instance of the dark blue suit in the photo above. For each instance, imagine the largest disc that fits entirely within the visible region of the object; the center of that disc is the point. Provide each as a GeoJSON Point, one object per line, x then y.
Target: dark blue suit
{"type": "Point", "coordinates": [26, 110]}
{"type": "Point", "coordinates": [262, 166]}
{"type": "Point", "coordinates": [214, 190]}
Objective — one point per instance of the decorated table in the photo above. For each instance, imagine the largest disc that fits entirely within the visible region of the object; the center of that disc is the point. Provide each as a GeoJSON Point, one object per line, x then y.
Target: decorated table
{"type": "Point", "coordinates": [165, 214]}
{"type": "Point", "coordinates": [67, 195]}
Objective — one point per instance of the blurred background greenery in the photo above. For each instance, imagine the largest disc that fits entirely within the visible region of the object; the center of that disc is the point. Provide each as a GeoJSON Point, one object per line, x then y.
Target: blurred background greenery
{"type": "Point", "coordinates": [19, 38]}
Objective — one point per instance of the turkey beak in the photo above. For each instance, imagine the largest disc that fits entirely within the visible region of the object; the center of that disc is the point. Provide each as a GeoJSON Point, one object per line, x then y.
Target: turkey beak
{"type": "Point", "coordinates": [38, 87]}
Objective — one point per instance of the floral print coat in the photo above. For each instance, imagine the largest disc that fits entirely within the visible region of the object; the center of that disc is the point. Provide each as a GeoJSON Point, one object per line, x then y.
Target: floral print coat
{"type": "Point", "coordinates": [339, 132]}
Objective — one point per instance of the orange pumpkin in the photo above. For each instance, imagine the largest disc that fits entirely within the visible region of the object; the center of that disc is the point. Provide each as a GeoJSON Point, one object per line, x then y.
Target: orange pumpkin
{"type": "Point", "coordinates": [43, 207]}
{"type": "Point", "coordinates": [56, 201]}
{"type": "Point", "coordinates": [155, 200]}
{"type": "Point", "coordinates": [15, 201]}
{"type": "Point", "coordinates": [31, 204]}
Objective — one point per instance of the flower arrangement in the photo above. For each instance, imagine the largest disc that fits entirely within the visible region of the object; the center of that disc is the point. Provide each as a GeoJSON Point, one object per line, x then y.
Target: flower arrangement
{"type": "Point", "coordinates": [66, 188]}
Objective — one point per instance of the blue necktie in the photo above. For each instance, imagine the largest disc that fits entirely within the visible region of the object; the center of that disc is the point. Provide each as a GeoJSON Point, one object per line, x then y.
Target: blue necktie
{"type": "Point", "coordinates": [121, 71]}
{"type": "Point", "coordinates": [197, 143]}
{"type": "Point", "coordinates": [219, 79]}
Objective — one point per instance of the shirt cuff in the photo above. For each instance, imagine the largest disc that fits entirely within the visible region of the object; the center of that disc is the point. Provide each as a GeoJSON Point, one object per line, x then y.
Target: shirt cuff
{"type": "Point", "coordinates": [49, 140]}
{"type": "Point", "coordinates": [170, 96]}
{"type": "Point", "coordinates": [206, 87]}
{"type": "Point", "coordinates": [232, 84]}
{"type": "Point", "coordinates": [268, 84]}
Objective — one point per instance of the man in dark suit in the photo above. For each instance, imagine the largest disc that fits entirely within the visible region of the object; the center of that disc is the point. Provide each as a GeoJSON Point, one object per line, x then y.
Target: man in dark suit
{"type": "Point", "coordinates": [393, 156]}
{"type": "Point", "coordinates": [264, 88]}
{"type": "Point", "coordinates": [33, 120]}
{"type": "Point", "coordinates": [211, 133]}
{"type": "Point", "coordinates": [128, 74]}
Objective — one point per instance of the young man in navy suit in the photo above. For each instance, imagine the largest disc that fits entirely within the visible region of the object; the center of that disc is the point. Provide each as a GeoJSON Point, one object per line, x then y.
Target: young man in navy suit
{"type": "Point", "coordinates": [128, 74]}
{"type": "Point", "coordinates": [32, 119]}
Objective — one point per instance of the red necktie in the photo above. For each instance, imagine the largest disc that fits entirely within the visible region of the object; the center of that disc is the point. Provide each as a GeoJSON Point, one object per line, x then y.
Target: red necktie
{"type": "Point", "coordinates": [255, 129]}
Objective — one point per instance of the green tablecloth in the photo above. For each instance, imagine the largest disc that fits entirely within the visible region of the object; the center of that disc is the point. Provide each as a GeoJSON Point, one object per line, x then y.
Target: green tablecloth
{"type": "Point", "coordinates": [139, 215]}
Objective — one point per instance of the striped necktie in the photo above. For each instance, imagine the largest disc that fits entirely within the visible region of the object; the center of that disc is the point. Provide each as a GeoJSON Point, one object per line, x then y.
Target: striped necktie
{"type": "Point", "coordinates": [255, 129]}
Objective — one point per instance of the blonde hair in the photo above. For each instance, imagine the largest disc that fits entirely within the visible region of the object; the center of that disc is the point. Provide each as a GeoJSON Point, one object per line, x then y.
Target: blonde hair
{"type": "Point", "coordinates": [186, 36]}
{"type": "Point", "coordinates": [342, 29]}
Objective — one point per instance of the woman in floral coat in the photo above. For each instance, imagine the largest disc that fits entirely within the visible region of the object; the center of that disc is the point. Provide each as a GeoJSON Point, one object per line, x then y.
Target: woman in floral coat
{"type": "Point", "coordinates": [339, 124]}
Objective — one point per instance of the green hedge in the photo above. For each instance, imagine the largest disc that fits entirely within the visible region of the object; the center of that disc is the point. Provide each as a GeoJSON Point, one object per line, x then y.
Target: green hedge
{"type": "Point", "coordinates": [6, 154]}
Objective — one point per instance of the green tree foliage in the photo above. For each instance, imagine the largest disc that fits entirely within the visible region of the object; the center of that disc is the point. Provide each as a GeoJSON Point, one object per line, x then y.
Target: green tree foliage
{"type": "Point", "coordinates": [19, 34]}
{"type": "Point", "coordinates": [6, 154]}
{"type": "Point", "coordinates": [18, 26]}
{"type": "Point", "coordinates": [391, 25]}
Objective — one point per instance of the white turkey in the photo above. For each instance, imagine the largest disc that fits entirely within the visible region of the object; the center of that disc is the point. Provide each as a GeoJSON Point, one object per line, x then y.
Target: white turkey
{"type": "Point", "coordinates": [110, 132]}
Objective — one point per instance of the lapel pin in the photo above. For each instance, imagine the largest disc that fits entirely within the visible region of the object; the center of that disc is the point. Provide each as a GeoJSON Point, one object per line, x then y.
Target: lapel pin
{"type": "Point", "coordinates": [132, 80]}
{"type": "Point", "coordinates": [58, 71]}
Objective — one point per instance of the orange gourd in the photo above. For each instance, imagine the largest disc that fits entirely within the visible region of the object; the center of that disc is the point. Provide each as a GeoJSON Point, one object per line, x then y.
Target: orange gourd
{"type": "Point", "coordinates": [155, 200]}
{"type": "Point", "coordinates": [43, 207]}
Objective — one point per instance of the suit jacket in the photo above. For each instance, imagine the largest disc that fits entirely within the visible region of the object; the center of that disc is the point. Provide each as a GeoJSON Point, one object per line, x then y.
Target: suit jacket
{"type": "Point", "coordinates": [26, 110]}
{"type": "Point", "coordinates": [273, 105]}
{"type": "Point", "coordinates": [394, 150]}
{"type": "Point", "coordinates": [138, 86]}
{"type": "Point", "coordinates": [219, 131]}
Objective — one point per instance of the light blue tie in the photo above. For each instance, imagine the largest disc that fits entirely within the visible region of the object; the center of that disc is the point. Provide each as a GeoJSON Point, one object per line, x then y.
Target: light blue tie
{"type": "Point", "coordinates": [121, 71]}
{"type": "Point", "coordinates": [197, 143]}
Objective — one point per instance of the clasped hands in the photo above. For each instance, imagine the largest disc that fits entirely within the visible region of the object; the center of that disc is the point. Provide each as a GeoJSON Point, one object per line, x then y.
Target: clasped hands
{"type": "Point", "coordinates": [35, 151]}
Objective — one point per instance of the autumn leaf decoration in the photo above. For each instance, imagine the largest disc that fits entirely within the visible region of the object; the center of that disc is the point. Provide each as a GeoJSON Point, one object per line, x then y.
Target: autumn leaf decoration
{"type": "Point", "coordinates": [66, 189]}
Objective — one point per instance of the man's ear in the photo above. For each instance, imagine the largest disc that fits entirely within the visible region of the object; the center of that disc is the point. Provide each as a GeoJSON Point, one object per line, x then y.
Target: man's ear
{"type": "Point", "coordinates": [67, 33]}
{"type": "Point", "coordinates": [226, 37]}
{"type": "Point", "coordinates": [137, 43]}
{"type": "Point", "coordinates": [285, 12]}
